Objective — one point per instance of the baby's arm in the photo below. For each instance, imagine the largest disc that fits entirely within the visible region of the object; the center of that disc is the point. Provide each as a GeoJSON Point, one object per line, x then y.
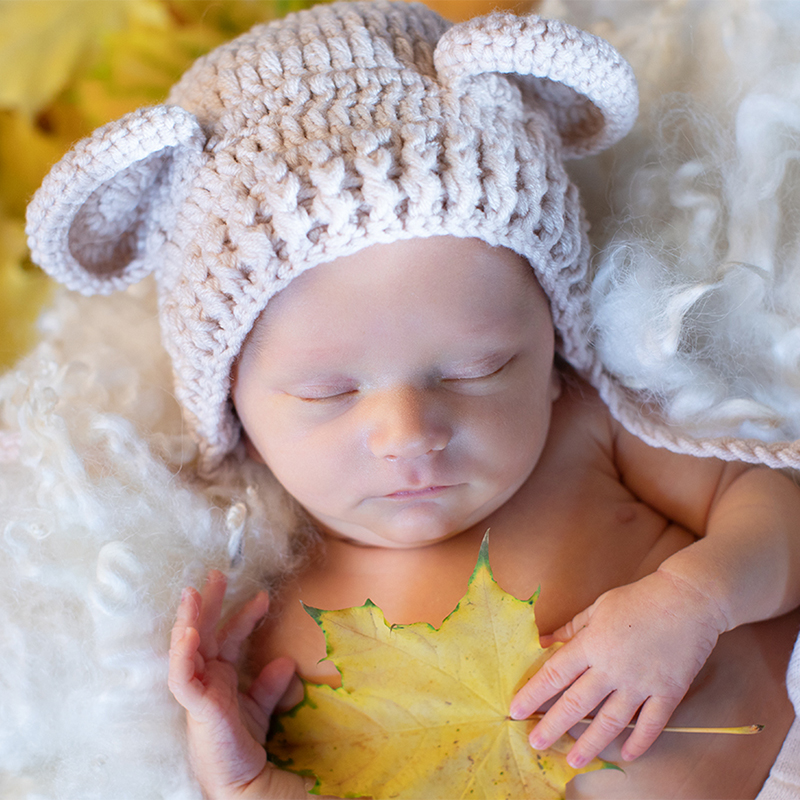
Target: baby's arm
{"type": "Point", "coordinates": [226, 728]}
{"type": "Point", "coordinates": [640, 646]}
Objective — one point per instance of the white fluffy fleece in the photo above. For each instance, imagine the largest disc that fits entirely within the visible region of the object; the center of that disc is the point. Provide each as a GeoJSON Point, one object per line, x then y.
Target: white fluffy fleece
{"type": "Point", "coordinates": [697, 213]}
{"type": "Point", "coordinates": [102, 520]}
{"type": "Point", "coordinates": [101, 524]}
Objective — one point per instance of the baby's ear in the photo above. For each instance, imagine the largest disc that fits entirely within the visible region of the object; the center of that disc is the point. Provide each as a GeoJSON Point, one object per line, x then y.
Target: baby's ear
{"type": "Point", "coordinates": [586, 86]}
{"type": "Point", "coordinates": [104, 211]}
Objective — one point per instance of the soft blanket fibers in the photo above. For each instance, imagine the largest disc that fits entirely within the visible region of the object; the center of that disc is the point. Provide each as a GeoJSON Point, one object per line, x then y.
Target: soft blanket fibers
{"type": "Point", "coordinates": [784, 780]}
{"type": "Point", "coordinates": [102, 520]}
{"type": "Point", "coordinates": [99, 530]}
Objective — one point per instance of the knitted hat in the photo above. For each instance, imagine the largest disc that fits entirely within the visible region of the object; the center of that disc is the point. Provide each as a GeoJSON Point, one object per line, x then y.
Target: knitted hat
{"type": "Point", "coordinates": [312, 137]}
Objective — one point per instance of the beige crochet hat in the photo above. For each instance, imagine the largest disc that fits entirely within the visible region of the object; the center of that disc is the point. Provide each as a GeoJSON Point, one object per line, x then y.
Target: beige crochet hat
{"type": "Point", "coordinates": [317, 135]}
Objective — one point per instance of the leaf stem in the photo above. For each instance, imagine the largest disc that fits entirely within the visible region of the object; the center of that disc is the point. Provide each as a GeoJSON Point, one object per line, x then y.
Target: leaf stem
{"type": "Point", "coordinates": [743, 730]}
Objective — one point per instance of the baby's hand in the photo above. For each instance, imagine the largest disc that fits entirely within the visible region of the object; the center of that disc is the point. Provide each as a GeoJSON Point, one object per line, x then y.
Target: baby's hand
{"type": "Point", "coordinates": [226, 728]}
{"type": "Point", "coordinates": [637, 648]}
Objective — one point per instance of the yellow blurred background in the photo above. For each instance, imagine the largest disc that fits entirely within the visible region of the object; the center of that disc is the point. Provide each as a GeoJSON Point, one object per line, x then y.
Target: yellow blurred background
{"type": "Point", "coordinates": [68, 66]}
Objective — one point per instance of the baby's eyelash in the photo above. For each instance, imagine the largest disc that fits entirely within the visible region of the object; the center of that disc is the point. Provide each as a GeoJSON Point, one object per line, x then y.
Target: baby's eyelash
{"type": "Point", "coordinates": [323, 397]}
{"type": "Point", "coordinates": [480, 375]}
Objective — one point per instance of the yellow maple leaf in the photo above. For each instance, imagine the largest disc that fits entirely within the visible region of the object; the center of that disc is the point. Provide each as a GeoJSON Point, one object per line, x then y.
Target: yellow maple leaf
{"type": "Point", "coordinates": [423, 712]}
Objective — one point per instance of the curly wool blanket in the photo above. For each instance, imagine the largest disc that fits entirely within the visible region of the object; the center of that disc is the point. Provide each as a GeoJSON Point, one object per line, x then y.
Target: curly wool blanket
{"type": "Point", "coordinates": [101, 524]}
{"type": "Point", "coordinates": [102, 521]}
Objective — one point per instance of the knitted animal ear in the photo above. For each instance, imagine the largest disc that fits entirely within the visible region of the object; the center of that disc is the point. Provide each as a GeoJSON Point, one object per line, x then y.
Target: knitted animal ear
{"type": "Point", "coordinates": [588, 88]}
{"type": "Point", "coordinates": [103, 210]}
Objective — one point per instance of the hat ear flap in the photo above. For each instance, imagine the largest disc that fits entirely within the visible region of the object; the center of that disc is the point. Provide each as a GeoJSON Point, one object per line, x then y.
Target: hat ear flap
{"type": "Point", "coordinates": [588, 88]}
{"type": "Point", "coordinates": [102, 212]}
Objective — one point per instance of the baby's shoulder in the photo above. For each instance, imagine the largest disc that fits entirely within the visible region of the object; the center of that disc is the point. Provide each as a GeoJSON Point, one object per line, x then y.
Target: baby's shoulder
{"type": "Point", "coordinates": [585, 437]}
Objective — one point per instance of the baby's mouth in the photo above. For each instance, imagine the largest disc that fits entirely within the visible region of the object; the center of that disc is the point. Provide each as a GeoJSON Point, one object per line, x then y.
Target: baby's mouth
{"type": "Point", "coordinates": [414, 494]}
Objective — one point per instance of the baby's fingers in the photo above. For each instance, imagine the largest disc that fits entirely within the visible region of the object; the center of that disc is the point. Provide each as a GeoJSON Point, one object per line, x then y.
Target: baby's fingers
{"type": "Point", "coordinates": [241, 625]}
{"type": "Point", "coordinates": [213, 595]}
{"type": "Point", "coordinates": [573, 706]}
{"type": "Point", "coordinates": [653, 718]}
{"type": "Point", "coordinates": [568, 631]}
{"type": "Point", "coordinates": [186, 616]}
{"type": "Point", "coordinates": [615, 714]}
{"type": "Point", "coordinates": [184, 664]}
{"type": "Point", "coordinates": [282, 785]}
{"type": "Point", "coordinates": [272, 684]}
{"type": "Point", "coordinates": [562, 669]}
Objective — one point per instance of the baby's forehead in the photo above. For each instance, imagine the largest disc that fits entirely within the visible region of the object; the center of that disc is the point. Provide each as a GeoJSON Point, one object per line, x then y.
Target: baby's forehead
{"type": "Point", "coordinates": [443, 282]}
{"type": "Point", "coordinates": [468, 269]}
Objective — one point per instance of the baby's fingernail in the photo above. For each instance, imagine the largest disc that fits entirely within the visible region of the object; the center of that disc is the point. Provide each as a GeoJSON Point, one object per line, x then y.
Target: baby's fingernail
{"type": "Point", "coordinates": [517, 711]}
{"type": "Point", "coordinates": [537, 742]}
{"type": "Point", "coordinates": [577, 760]}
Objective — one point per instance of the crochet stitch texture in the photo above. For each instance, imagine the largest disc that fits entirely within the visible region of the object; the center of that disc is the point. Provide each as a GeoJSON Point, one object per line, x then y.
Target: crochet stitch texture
{"type": "Point", "coordinates": [312, 137]}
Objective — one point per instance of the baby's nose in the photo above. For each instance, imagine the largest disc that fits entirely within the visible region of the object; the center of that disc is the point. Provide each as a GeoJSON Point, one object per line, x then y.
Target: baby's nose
{"type": "Point", "coordinates": [405, 423]}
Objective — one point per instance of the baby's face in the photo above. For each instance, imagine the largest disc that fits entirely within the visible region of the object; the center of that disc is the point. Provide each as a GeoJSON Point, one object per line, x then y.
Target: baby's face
{"type": "Point", "coordinates": [402, 394]}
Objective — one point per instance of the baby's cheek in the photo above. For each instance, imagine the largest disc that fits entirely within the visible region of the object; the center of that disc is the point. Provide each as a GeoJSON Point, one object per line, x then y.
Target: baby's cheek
{"type": "Point", "coordinates": [517, 431]}
{"type": "Point", "coordinates": [253, 453]}
{"type": "Point", "coordinates": [313, 475]}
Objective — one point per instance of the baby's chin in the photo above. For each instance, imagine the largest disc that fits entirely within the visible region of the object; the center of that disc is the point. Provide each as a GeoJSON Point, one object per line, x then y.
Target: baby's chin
{"type": "Point", "coordinates": [390, 537]}
{"type": "Point", "coordinates": [372, 539]}
{"type": "Point", "coordinates": [414, 523]}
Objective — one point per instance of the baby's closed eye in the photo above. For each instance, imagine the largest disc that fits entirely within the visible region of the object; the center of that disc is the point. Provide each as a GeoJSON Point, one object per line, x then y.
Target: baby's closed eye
{"type": "Point", "coordinates": [317, 394]}
{"type": "Point", "coordinates": [483, 370]}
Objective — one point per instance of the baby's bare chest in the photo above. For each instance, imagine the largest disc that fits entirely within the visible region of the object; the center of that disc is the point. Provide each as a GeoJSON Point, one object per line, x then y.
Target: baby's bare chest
{"type": "Point", "coordinates": [573, 536]}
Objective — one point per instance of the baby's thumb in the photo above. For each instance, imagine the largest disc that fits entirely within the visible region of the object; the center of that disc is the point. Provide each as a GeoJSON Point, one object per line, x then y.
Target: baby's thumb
{"type": "Point", "coordinates": [286, 786]}
{"type": "Point", "coordinates": [568, 631]}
